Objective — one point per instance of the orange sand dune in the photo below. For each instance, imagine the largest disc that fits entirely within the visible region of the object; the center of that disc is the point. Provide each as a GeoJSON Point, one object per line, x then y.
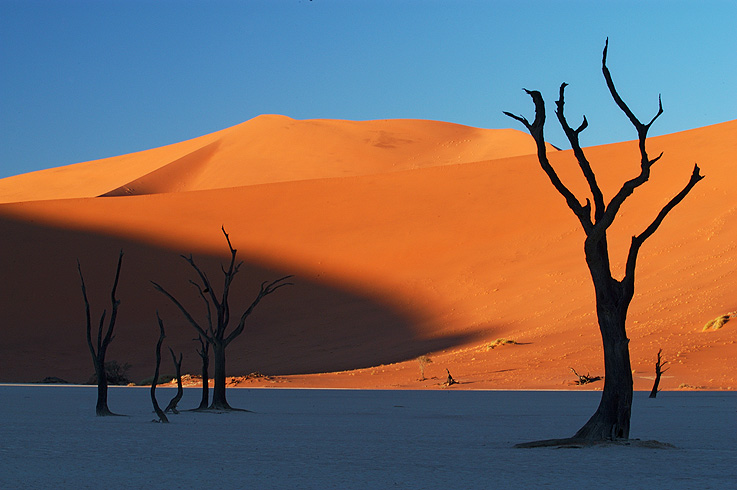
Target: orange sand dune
{"type": "Point", "coordinates": [390, 265]}
{"type": "Point", "coordinates": [271, 149]}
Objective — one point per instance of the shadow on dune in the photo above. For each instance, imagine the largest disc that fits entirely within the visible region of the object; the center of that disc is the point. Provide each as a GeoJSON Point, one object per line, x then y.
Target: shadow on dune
{"type": "Point", "coordinates": [306, 328]}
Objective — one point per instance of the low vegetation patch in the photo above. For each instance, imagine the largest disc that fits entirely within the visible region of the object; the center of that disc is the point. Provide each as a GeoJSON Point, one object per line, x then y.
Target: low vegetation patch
{"type": "Point", "coordinates": [117, 374]}
{"type": "Point", "coordinates": [500, 342]}
{"type": "Point", "coordinates": [717, 323]}
{"type": "Point", "coordinates": [162, 380]}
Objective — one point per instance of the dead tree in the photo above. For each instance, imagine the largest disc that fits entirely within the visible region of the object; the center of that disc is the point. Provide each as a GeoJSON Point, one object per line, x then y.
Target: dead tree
{"type": "Point", "coordinates": [449, 381]}
{"type": "Point", "coordinates": [103, 341]}
{"type": "Point", "coordinates": [424, 361]}
{"type": "Point", "coordinates": [204, 353]}
{"type": "Point", "coordinates": [612, 418]}
{"type": "Point", "coordinates": [584, 379]}
{"type": "Point", "coordinates": [215, 331]}
{"type": "Point", "coordinates": [160, 413]}
{"type": "Point", "coordinates": [658, 372]}
{"type": "Point", "coordinates": [172, 406]}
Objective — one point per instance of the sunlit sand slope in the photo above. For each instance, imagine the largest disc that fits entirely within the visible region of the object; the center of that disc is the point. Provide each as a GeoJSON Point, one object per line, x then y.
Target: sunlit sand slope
{"type": "Point", "coordinates": [389, 265]}
{"type": "Point", "coordinates": [271, 149]}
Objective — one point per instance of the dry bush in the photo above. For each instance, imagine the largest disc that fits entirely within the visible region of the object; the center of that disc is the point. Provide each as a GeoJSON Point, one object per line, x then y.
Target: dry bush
{"type": "Point", "coordinates": [117, 374]}
{"type": "Point", "coordinates": [716, 323]}
{"type": "Point", "coordinates": [499, 342]}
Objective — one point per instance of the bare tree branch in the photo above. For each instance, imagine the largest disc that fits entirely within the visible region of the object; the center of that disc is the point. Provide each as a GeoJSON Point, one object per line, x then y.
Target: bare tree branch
{"type": "Point", "coordinates": [583, 163]}
{"type": "Point", "coordinates": [184, 311]}
{"type": "Point", "coordinates": [583, 212]}
{"type": "Point", "coordinates": [629, 278]}
{"type": "Point", "coordinates": [203, 277]}
{"type": "Point", "coordinates": [266, 289]}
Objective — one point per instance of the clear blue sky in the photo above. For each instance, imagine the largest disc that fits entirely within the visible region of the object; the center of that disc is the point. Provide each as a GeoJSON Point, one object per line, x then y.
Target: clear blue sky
{"type": "Point", "coordinates": [81, 80]}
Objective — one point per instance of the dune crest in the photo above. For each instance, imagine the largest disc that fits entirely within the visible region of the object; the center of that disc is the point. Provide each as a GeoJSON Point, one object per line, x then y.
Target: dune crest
{"type": "Point", "coordinates": [271, 148]}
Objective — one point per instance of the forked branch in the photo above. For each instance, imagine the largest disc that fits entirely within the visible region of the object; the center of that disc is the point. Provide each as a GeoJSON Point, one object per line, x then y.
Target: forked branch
{"type": "Point", "coordinates": [583, 163]}
{"type": "Point", "coordinates": [583, 212]}
{"type": "Point", "coordinates": [266, 289]}
{"type": "Point", "coordinates": [638, 240]}
{"type": "Point", "coordinates": [184, 311]}
{"type": "Point", "coordinates": [102, 341]}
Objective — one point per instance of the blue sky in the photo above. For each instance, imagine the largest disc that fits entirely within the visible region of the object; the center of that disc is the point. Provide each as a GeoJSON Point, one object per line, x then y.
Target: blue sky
{"type": "Point", "coordinates": [81, 80]}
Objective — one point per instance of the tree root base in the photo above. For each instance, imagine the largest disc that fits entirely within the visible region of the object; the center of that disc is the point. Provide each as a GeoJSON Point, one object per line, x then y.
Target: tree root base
{"type": "Point", "coordinates": [573, 443]}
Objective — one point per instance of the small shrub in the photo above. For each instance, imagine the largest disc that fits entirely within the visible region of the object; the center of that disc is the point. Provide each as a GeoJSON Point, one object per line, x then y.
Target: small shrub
{"type": "Point", "coordinates": [163, 379]}
{"type": "Point", "coordinates": [499, 342]}
{"type": "Point", "coordinates": [716, 323]}
{"type": "Point", "coordinates": [424, 361]}
{"type": "Point", "coordinates": [686, 386]}
{"type": "Point", "coordinates": [117, 374]}
{"type": "Point", "coordinates": [53, 380]}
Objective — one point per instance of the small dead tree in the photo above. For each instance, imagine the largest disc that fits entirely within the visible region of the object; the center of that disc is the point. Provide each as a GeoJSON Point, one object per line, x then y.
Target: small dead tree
{"type": "Point", "coordinates": [449, 381]}
{"type": "Point", "coordinates": [99, 351]}
{"type": "Point", "coordinates": [424, 361]}
{"type": "Point", "coordinates": [612, 418]}
{"type": "Point", "coordinates": [584, 379]}
{"type": "Point", "coordinates": [172, 406]}
{"type": "Point", "coordinates": [215, 331]}
{"type": "Point", "coordinates": [204, 353]}
{"type": "Point", "coordinates": [659, 363]}
{"type": "Point", "coordinates": [160, 413]}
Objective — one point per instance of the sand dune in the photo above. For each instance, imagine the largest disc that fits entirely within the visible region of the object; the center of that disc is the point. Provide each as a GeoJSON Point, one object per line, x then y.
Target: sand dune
{"type": "Point", "coordinates": [271, 149]}
{"type": "Point", "coordinates": [399, 248]}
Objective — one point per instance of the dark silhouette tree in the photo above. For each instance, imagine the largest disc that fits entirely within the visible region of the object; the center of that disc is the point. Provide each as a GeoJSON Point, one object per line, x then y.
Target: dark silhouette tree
{"type": "Point", "coordinates": [611, 420]}
{"type": "Point", "coordinates": [172, 406]}
{"type": "Point", "coordinates": [204, 353]}
{"type": "Point", "coordinates": [103, 341]}
{"type": "Point", "coordinates": [659, 363]}
{"type": "Point", "coordinates": [160, 413]}
{"type": "Point", "coordinates": [215, 332]}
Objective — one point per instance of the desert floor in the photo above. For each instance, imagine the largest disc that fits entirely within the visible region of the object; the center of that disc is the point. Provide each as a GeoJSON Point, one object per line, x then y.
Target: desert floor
{"type": "Point", "coordinates": [358, 439]}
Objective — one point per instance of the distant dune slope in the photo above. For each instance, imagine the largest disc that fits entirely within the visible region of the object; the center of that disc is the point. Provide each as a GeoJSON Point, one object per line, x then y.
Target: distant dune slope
{"type": "Point", "coordinates": [389, 265]}
{"type": "Point", "coordinates": [272, 148]}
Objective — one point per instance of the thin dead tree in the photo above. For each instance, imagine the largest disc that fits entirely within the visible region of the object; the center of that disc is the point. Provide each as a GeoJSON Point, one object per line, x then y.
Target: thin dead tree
{"type": "Point", "coordinates": [215, 331]}
{"type": "Point", "coordinates": [611, 420]}
{"type": "Point", "coordinates": [160, 413]}
{"type": "Point", "coordinates": [584, 379]}
{"type": "Point", "coordinates": [172, 406]}
{"type": "Point", "coordinates": [99, 351]}
{"type": "Point", "coordinates": [204, 353]}
{"type": "Point", "coordinates": [659, 363]}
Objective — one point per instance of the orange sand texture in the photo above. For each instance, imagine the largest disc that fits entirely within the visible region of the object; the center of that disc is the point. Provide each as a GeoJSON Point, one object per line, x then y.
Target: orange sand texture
{"type": "Point", "coordinates": [406, 238]}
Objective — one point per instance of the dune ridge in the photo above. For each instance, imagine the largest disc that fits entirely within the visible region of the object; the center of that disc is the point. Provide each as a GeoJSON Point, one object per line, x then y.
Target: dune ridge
{"type": "Point", "coordinates": [392, 260]}
{"type": "Point", "coordinates": [271, 148]}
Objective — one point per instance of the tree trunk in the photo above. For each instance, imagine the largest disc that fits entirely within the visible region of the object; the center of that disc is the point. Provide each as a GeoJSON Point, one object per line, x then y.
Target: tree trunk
{"type": "Point", "coordinates": [101, 409]}
{"type": "Point", "coordinates": [219, 402]}
{"type": "Point", "coordinates": [612, 419]}
{"type": "Point", "coordinates": [658, 372]}
{"type": "Point", "coordinates": [205, 356]}
{"type": "Point", "coordinates": [157, 409]}
{"type": "Point", "coordinates": [180, 391]}
{"type": "Point", "coordinates": [656, 384]}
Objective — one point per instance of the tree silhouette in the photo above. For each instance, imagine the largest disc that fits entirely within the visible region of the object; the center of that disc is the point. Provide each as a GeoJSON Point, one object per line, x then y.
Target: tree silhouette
{"type": "Point", "coordinates": [160, 413]}
{"type": "Point", "coordinates": [204, 353]}
{"type": "Point", "coordinates": [612, 418]}
{"type": "Point", "coordinates": [215, 331]}
{"type": "Point", "coordinates": [659, 363]}
{"type": "Point", "coordinates": [172, 406]}
{"type": "Point", "coordinates": [103, 341]}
